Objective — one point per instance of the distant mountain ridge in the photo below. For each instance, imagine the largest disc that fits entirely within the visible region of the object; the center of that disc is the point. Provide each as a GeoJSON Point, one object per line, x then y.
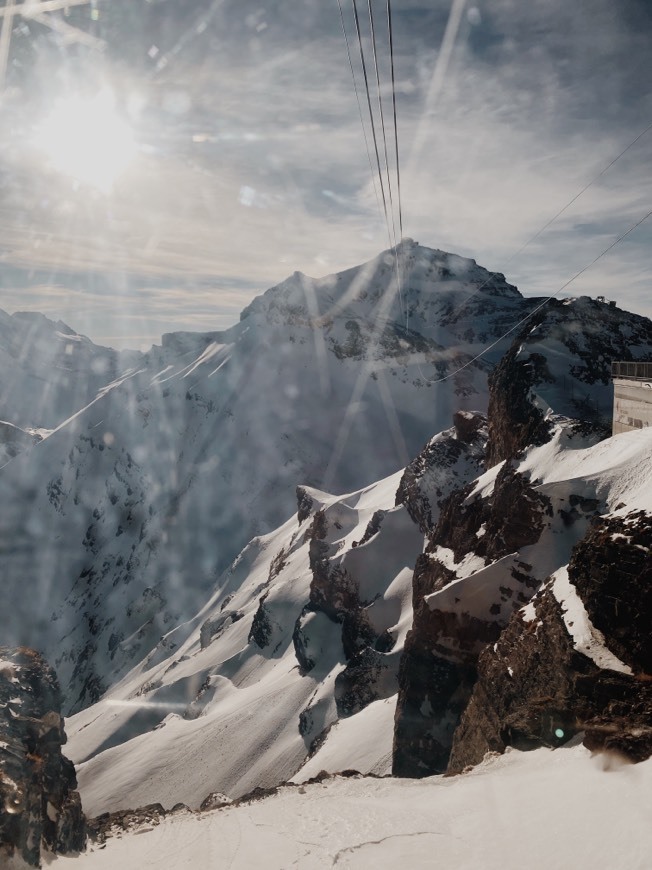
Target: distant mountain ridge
{"type": "Point", "coordinates": [48, 371]}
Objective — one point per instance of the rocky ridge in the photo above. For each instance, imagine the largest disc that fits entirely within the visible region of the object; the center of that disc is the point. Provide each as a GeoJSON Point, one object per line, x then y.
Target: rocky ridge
{"type": "Point", "coordinates": [577, 659]}
{"type": "Point", "coordinates": [474, 672]}
{"type": "Point", "coordinates": [49, 372]}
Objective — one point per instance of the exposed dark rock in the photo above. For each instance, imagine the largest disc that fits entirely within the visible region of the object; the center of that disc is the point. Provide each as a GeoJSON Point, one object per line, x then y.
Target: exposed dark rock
{"type": "Point", "coordinates": [261, 627]}
{"type": "Point", "coordinates": [304, 504]}
{"type": "Point", "coordinates": [214, 627]}
{"type": "Point", "coordinates": [358, 633]}
{"type": "Point", "coordinates": [278, 563]}
{"type": "Point", "coordinates": [306, 662]}
{"type": "Point", "coordinates": [107, 825]}
{"type": "Point", "coordinates": [438, 667]}
{"type": "Point", "coordinates": [515, 422]}
{"type": "Point", "coordinates": [521, 695]}
{"type": "Point", "coordinates": [612, 570]}
{"type": "Point", "coordinates": [368, 674]}
{"type": "Point", "coordinates": [366, 678]}
{"type": "Point", "coordinates": [215, 801]}
{"type": "Point", "coordinates": [257, 794]}
{"type": "Point", "coordinates": [624, 727]}
{"type": "Point", "coordinates": [431, 689]}
{"type": "Point", "coordinates": [332, 589]}
{"type": "Point", "coordinates": [317, 528]}
{"type": "Point", "coordinates": [468, 426]}
{"type": "Point", "coordinates": [535, 688]}
{"type": "Point", "coordinates": [40, 808]}
{"type": "Point", "coordinates": [373, 527]}
{"type": "Point", "coordinates": [512, 518]}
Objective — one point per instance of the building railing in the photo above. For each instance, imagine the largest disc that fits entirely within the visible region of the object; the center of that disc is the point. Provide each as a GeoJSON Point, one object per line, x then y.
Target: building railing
{"type": "Point", "coordinates": [637, 370]}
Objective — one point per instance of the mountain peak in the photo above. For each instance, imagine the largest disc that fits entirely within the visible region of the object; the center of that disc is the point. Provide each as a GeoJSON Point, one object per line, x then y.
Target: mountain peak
{"type": "Point", "coordinates": [406, 283]}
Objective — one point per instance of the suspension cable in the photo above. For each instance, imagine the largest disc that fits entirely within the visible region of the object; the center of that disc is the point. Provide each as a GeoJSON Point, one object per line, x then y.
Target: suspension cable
{"type": "Point", "coordinates": [382, 116]}
{"type": "Point", "coordinates": [371, 113]}
{"type": "Point", "coordinates": [398, 171]}
{"type": "Point", "coordinates": [554, 218]}
{"type": "Point", "coordinates": [357, 98]}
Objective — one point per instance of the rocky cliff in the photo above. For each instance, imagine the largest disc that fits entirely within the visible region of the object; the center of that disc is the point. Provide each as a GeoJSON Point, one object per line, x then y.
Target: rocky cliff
{"type": "Point", "coordinates": [531, 606]}
{"type": "Point", "coordinates": [466, 584]}
{"type": "Point", "coordinates": [40, 809]}
{"type": "Point", "coordinates": [496, 541]}
{"type": "Point", "coordinates": [559, 362]}
{"type": "Point", "coordinates": [577, 658]}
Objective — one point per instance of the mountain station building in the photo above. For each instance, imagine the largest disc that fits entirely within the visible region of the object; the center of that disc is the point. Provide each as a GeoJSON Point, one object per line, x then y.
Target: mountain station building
{"type": "Point", "coordinates": [632, 395]}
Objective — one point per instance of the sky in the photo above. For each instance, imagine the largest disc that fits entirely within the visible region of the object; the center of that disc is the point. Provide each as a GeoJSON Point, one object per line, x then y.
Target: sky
{"type": "Point", "coordinates": [163, 161]}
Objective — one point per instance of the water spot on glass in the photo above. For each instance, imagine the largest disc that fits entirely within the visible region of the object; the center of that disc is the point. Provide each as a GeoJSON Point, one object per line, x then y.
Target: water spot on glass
{"type": "Point", "coordinates": [474, 16]}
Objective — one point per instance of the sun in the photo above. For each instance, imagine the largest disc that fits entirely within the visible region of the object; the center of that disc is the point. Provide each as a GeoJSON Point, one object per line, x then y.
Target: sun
{"type": "Point", "coordinates": [86, 139]}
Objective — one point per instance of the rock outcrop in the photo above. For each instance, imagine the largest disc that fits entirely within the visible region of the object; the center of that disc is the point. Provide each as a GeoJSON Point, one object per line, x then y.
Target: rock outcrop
{"type": "Point", "coordinates": [515, 421]}
{"type": "Point", "coordinates": [40, 809]}
{"type": "Point", "coordinates": [13, 440]}
{"type": "Point", "coordinates": [577, 658]}
{"type": "Point", "coordinates": [453, 622]}
{"type": "Point", "coordinates": [335, 593]}
{"type": "Point", "coordinates": [447, 462]}
{"type": "Point", "coordinates": [560, 361]}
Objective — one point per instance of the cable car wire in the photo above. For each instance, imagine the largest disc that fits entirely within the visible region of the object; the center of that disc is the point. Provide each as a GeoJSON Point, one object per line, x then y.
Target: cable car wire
{"type": "Point", "coordinates": [357, 97]}
{"type": "Point", "coordinates": [371, 112]}
{"type": "Point", "coordinates": [382, 116]}
{"type": "Point", "coordinates": [398, 171]}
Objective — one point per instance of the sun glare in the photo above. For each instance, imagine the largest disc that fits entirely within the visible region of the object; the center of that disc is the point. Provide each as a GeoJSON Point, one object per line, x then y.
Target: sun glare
{"type": "Point", "coordinates": [87, 139]}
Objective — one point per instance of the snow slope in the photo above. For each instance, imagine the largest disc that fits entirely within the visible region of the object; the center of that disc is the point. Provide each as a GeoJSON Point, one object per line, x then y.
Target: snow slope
{"type": "Point", "coordinates": [545, 810]}
{"type": "Point", "coordinates": [229, 715]}
{"type": "Point", "coordinates": [613, 476]}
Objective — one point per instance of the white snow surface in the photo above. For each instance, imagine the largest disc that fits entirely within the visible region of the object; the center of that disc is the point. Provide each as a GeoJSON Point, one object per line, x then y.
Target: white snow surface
{"type": "Point", "coordinates": [618, 470]}
{"type": "Point", "coordinates": [544, 810]}
{"type": "Point", "coordinates": [587, 639]}
{"type": "Point", "coordinates": [362, 742]}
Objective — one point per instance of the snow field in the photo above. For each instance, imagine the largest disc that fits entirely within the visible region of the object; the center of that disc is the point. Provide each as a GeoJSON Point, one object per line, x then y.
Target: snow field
{"type": "Point", "coordinates": [542, 810]}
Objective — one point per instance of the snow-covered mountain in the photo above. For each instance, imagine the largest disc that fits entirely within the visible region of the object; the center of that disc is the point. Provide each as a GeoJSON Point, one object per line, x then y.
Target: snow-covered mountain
{"type": "Point", "coordinates": [304, 630]}
{"type": "Point", "coordinates": [124, 517]}
{"type": "Point", "coordinates": [491, 592]}
{"type": "Point", "coordinates": [119, 523]}
{"type": "Point", "coordinates": [296, 663]}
